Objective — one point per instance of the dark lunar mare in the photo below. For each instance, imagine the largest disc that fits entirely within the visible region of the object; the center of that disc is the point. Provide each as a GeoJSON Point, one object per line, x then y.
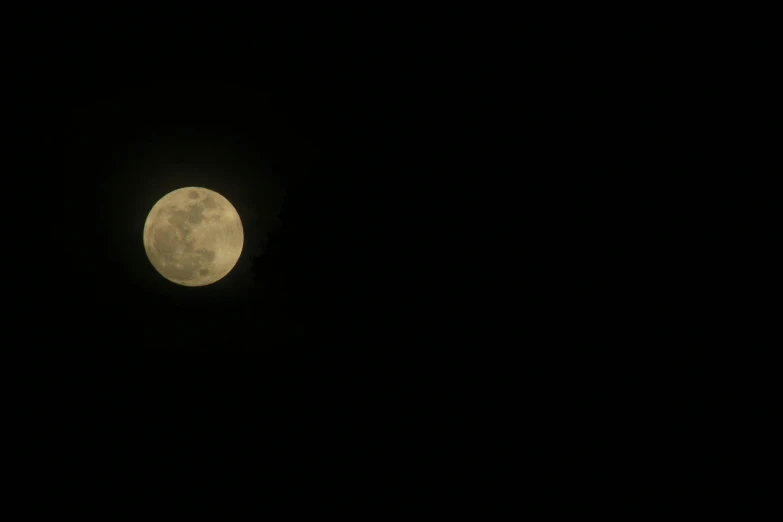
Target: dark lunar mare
{"type": "Point", "coordinates": [166, 240]}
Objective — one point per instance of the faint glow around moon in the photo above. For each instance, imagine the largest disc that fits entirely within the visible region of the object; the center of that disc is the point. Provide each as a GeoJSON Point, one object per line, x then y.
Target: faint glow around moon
{"type": "Point", "coordinates": [193, 236]}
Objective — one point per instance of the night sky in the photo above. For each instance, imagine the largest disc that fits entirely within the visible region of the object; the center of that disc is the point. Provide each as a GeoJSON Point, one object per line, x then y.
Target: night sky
{"type": "Point", "coordinates": [453, 229]}
{"type": "Point", "coordinates": [322, 361]}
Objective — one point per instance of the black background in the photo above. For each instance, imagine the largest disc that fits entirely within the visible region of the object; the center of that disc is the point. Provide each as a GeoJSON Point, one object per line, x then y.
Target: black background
{"type": "Point", "coordinates": [454, 226]}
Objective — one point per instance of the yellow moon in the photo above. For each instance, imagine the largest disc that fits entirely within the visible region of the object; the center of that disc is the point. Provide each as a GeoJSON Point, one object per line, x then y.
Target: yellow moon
{"type": "Point", "coordinates": [193, 236]}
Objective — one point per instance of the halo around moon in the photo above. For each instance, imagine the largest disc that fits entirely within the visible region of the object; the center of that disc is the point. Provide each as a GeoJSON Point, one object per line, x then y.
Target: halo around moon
{"type": "Point", "coordinates": [193, 236]}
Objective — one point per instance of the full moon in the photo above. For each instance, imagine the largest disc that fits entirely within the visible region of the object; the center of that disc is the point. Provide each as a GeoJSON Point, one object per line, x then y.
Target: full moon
{"type": "Point", "coordinates": [193, 236]}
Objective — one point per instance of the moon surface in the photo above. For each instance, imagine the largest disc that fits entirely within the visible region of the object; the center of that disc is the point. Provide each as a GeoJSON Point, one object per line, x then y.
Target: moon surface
{"type": "Point", "coordinates": [193, 236]}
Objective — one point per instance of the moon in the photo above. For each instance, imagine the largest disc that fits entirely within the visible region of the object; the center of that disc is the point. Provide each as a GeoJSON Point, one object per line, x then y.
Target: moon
{"type": "Point", "coordinates": [193, 236]}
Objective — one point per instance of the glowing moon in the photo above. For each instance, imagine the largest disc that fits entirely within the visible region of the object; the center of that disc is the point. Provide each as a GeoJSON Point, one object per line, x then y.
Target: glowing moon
{"type": "Point", "coordinates": [193, 236]}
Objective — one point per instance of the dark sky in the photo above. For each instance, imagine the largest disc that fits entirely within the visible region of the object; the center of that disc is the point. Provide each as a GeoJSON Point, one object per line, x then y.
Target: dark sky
{"type": "Point", "coordinates": [315, 362]}
{"type": "Point", "coordinates": [450, 225]}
